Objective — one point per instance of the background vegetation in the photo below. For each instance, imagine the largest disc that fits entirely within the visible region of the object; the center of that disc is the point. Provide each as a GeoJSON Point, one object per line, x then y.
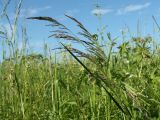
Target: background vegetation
{"type": "Point", "coordinates": [104, 81]}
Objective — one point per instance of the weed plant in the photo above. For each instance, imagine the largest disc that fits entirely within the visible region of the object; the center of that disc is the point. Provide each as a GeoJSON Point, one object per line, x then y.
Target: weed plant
{"type": "Point", "coordinates": [97, 83]}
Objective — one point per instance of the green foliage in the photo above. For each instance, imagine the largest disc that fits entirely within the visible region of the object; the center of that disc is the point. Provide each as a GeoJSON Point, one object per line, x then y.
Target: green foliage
{"type": "Point", "coordinates": [94, 84]}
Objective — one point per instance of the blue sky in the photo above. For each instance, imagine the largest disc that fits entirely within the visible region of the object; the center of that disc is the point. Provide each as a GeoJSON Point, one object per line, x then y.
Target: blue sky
{"type": "Point", "coordinates": [116, 14]}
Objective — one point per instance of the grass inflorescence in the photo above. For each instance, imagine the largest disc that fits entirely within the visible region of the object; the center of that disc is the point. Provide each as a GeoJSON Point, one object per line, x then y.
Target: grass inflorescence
{"type": "Point", "coordinates": [96, 83]}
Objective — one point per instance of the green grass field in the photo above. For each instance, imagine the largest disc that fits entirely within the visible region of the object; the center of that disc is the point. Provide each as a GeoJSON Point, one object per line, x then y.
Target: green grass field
{"type": "Point", "coordinates": [106, 81]}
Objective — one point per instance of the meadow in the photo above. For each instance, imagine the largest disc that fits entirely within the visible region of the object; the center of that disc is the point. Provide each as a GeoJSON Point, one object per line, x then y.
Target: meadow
{"type": "Point", "coordinates": [104, 81]}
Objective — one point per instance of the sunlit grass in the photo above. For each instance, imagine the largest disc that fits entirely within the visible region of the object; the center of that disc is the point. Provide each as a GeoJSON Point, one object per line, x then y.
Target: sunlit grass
{"type": "Point", "coordinates": [97, 83]}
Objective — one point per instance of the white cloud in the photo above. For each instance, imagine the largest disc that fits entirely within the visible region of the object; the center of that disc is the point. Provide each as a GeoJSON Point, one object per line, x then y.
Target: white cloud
{"type": "Point", "coordinates": [101, 11]}
{"type": "Point", "coordinates": [33, 11]}
{"type": "Point", "coordinates": [46, 8]}
{"type": "Point", "coordinates": [68, 12]}
{"type": "Point", "coordinates": [71, 12]}
{"type": "Point", "coordinates": [29, 12]}
{"type": "Point", "coordinates": [133, 8]}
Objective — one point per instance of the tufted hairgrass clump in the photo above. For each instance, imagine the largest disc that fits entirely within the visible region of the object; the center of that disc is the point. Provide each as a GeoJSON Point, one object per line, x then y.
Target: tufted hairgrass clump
{"type": "Point", "coordinates": [103, 81]}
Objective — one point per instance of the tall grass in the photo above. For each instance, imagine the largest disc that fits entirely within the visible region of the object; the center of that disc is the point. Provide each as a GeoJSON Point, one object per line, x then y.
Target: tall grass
{"type": "Point", "coordinates": [97, 83]}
